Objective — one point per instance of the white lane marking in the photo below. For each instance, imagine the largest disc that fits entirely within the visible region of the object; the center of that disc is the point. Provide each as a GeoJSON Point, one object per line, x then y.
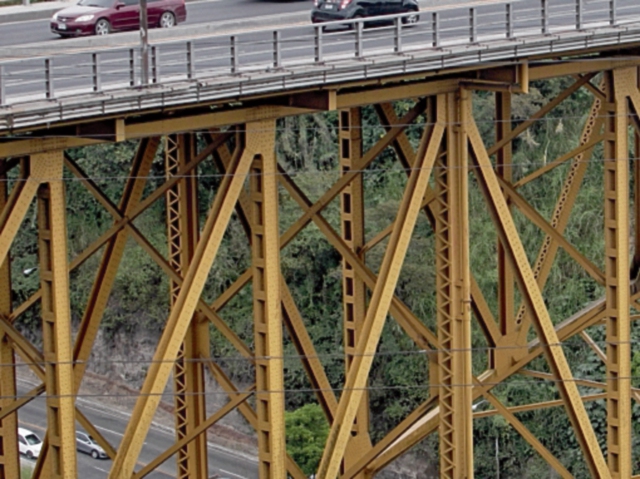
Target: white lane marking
{"type": "Point", "coordinates": [100, 469]}
{"type": "Point", "coordinates": [231, 474]}
{"type": "Point", "coordinates": [109, 431]}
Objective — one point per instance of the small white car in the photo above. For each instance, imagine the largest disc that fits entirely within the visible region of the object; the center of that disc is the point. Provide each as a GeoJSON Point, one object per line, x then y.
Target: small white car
{"type": "Point", "coordinates": [85, 443]}
{"type": "Point", "coordinates": [29, 443]}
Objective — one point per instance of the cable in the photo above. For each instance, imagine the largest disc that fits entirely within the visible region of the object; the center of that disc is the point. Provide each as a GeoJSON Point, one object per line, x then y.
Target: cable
{"type": "Point", "coordinates": [416, 387]}
{"type": "Point", "coordinates": [377, 354]}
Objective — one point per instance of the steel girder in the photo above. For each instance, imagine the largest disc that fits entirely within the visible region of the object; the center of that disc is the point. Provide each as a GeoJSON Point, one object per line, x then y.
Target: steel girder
{"type": "Point", "coordinates": [267, 307]}
{"type": "Point", "coordinates": [444, 144]}
{"type": "Point", "coordinates": [9, 454]}
{"type": "Point", "coordinates": [354, 288]}
{"type": "Point", "coordinates": [188, 375]}
{"type": "Point", "coordinates": [454, 293]}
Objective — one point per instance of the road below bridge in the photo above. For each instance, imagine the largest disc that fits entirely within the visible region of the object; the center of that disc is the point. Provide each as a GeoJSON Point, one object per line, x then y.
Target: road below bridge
{"type": "Point", "coordinates": [112, 422]}
{"type": "Point", "coordinates": [198, 12]}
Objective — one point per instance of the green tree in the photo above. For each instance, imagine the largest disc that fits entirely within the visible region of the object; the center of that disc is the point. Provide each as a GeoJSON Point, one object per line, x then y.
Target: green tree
{"type": "Point", "coordinates": [307, 431]}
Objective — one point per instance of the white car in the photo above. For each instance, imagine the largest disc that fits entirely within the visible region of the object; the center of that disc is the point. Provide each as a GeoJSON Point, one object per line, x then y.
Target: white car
{"type": "Point", "coordinates": [85, 443]}
{"type": "Point", "coordinates": [29, 443]}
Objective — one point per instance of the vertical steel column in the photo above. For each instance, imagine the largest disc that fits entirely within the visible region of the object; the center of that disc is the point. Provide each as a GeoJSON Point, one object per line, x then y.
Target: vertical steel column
{"type": "Point", "coordinates": [616, 223]}
{"type": "Point", "coordinates": [505, 272]}
{"type": "Point", "coordinates": [188, 373]}
{"type": "Point", "coordinates": [56, 316]}
{"type": "Point", "coordinates": [267, 308]}
{"type": "Point", "coordinates": [636, 198]}
{"type": "Point", "coordinates": [180, 318]}
{"type": "Point", "coordinates": [353, 288]}
{"type": "Point", "coordinates": [454, 297]}
{"type": "Point", "coordinates": [380, 302]}
{"type": "Point", "coordinates": [9, 456]}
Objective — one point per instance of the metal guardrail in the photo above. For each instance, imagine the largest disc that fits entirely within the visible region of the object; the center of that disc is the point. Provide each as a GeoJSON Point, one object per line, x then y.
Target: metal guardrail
{"type": "Point", "coordinates": [221, 56]}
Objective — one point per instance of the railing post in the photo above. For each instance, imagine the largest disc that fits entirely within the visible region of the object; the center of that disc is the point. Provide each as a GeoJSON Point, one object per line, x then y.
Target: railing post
{"type": "Point", "coordinates": [95, 67]}
{"type": "Point", "coordinates": [3, 99]}
{"type": "Point", "coordinates": [578, 14]}
{"type": "Point", "coordinates": [318, 42]}
{"type": "Point", "coordinates": [613, 17]}
{"type": "Point", "coordinates": [473, 26]}
{"type": "Point", "coordinates": [398, 36]}
{"type": "Point", "coordinates": [359, 35]}
{"type": "Point", "coordinates": [509, 18]}
{"type": "Point", "coordinates": [132, 67]}
{"type": "Point", "coordinates": [155, 69]}
{"type": "Point", "coordinates": [544, 16]}
{"type": "Point", "coordinates": [190, 61]}
{"type": "Point", "coordinates": [435, 25]}
{"type": "Point", "coordinates": [234, 54]}
{"type": "Point", "coordinates": [48, 78]}
{"type": "Point", "coordinates": [277, 56]}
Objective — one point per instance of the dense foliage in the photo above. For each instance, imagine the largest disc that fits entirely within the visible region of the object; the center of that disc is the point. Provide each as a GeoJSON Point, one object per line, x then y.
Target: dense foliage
{"type": "Point", "coordinates": [307, 148]}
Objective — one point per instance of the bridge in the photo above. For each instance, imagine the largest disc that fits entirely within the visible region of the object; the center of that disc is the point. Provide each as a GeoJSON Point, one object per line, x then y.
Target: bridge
{"type": "Point", "coordinates": [217, 99]}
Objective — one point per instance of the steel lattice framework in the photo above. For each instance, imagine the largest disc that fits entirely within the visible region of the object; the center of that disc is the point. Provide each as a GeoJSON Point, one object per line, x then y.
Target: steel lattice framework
{"type": "Point", "coordinates": [239, 141]}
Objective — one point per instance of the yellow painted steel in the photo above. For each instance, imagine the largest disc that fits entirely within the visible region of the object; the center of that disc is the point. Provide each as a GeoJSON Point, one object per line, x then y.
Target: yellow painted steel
{"type": "Point", "coordinates": [506, 280]}
{"type": "Point", "coordinates": [267, 307]}
{"type": "Point", "coordinates": [616, 232]}
{"type": "Point", "coordinates": [188, 375]}
{"type": "Point", "coordinates": [353, 287]}
{"type": "Point", "coordinates": [529, 437]}
{"type": "Point", "coordinates": [453, 294]}
{"type": "Point", "coordinates": [293, 321]}
{"type": "Point", "coordinates": [533, 297]}
{"type": "Point", "coordinates": [180, 318]}
{"type": "Point", "coordinates": [9, 457]}
{"type": "Point", "coordinates": [563, 209]}
{"type": "Point", "coordinates": [112, 256]}
{"type": "Point", "coordinates": [56, 318]}
{"type": "Point", "coordinates": [379, 305]}
{"type": "Point", "coordinates": [349, 452]}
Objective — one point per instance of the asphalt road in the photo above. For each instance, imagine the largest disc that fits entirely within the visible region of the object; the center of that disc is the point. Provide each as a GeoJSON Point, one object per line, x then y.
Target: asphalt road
{"type": "Point", "coordinates": [112, 423]}
{"type": "Point", "coordinates": [198, 12]}
{"type": "Point", "coordinates": [72, 73]}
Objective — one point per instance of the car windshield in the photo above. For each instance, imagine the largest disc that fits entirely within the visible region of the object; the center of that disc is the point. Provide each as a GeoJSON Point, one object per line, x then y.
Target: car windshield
{"type": "Point", "coordinates": [92, 440]}
{"type": "Point", "coordinates": [96, 3]}
{"type": "Point", "coordinates": [32, 439]}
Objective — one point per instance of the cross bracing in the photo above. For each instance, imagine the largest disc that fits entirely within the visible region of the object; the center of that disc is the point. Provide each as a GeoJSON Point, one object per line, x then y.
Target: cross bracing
{"type": "Point", "coordinates": [450, 164]}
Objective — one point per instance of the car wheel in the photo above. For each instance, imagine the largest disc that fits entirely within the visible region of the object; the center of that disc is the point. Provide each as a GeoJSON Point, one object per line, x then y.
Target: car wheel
{"type": "Point", "coordinates": [103, 27]}
{"type": "Point", "coordinates": [167, 20]}
{"type": "Point", "coordinates": [29, 455]}
{"type": "Point", "coordinates": [411, 19]}
{"type": "Point", "coordinates": [95, 454]}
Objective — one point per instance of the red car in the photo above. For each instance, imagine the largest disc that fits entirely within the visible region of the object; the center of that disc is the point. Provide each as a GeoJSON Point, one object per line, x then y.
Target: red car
{"type": "Point", "coordinates": [100, 17]}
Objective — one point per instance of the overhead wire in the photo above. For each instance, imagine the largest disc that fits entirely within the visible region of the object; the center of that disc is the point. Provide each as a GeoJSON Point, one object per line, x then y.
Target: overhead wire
{"type": "Point", "coordinates": [368, 170]}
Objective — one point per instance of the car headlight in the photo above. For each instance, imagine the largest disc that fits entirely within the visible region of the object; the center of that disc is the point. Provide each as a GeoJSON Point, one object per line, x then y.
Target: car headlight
{"type": "Point", "coordinates": [84, 18]}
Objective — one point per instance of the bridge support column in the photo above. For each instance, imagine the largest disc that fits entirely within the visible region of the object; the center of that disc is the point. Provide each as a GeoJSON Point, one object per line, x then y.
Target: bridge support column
{"type": "Point", "coordinates": [506, 282]}
{"type": "Point", "coordinates": [9, 456]}
{"type": "Point", "coordinates": [353, 288]}
{"type": "Point", "coordinates": [380, 303]}
{"type": "Point", "coordinates": [533, 299]}
{"type": "Point", "coordinates": [181, 316]}
{"type": "Point", "coordinates": [454, 296]}
{"type": "Point", "coordinates": [616, 223]}
{"type": "Point", "coordinates": [267, 306]}
{"type": "Point", "coordinates": [188, 373]}
{"type": "Point", "coordinates": [56, 317]}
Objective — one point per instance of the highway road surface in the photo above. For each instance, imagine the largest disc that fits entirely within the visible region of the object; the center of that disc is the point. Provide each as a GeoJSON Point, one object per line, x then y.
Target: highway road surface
{"type": "Point", "coordinates": [198, 12]}
{"type": "Point", "coordinates": [112, 423]}
{"type": "Point", "coordinates": [71, 72]}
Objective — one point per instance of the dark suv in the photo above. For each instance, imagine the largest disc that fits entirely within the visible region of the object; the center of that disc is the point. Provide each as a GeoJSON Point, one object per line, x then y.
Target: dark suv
{"type": "Point", "coordinates": [329, 10]}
